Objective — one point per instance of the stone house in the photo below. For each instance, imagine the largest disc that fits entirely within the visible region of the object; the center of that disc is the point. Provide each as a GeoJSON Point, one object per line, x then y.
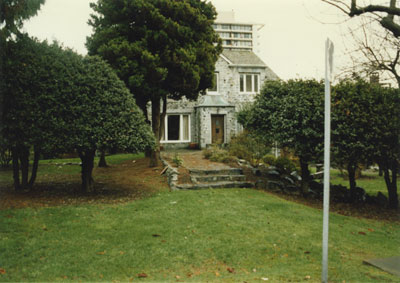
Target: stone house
{"type": "Point", "coordinates": [239, 75]}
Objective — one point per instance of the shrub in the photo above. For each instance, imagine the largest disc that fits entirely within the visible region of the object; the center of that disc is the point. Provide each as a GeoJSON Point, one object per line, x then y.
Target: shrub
{"type": "Point", "coordinates": [248, 147]}
{"type": "Point", "coordinates": [217, 154]}
{"type": "Point", "coordinates": [177, 160]}
{"type": "Point", "coordinates": [284, 164]}
{"type": "Point", "coordinates": [269, 159]}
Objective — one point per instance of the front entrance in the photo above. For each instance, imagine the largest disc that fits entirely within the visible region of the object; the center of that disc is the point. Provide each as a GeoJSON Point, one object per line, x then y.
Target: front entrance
{"type": "Point", "coordinates": [218, 129]}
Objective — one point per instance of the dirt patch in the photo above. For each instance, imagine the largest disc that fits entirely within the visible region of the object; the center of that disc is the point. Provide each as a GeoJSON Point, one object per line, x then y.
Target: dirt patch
{"type": "Point", "coordinates": [120, 183]}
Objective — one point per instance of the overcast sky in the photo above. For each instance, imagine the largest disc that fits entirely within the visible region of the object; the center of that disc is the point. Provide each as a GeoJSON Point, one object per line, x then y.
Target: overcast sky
{"type": "Point", "coordinates": [291, 41]}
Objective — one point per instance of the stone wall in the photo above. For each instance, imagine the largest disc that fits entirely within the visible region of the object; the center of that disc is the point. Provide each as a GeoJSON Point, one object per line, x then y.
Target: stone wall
{"type": "Point", "coordinates": [228, 88]}
{"type": "Point", "coordinates": [204, 123]}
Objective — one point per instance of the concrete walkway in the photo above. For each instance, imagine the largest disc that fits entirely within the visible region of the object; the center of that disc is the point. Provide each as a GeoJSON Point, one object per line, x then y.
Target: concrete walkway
{"type": "Point", "coordinates": [389, 264]}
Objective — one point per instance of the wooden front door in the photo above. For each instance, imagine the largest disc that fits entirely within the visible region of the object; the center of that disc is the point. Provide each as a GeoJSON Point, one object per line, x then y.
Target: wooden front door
{"type": "Point", "coordinates": [218, 129]}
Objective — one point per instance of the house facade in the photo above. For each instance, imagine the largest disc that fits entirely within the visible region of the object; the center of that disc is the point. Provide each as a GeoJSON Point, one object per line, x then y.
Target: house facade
{"type": "Point", "coordinates": [239, 75]}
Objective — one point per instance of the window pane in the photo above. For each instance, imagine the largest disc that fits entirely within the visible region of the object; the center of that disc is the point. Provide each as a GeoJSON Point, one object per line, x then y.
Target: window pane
{"type": "Point", "coordinates": [185, 129]}
{"type": "Point", "coordinates": [255, 83]}
{"type": "Point", "coordinates": [173, 127]}
{"type": "Point", "coordinates": [241, 83]}
{"type": "Point", "coordinates": [248, 83]}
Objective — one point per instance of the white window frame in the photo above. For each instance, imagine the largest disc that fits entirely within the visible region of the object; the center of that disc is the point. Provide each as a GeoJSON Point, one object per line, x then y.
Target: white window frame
{"type": "Point", "coordinates": [217, 82]}
{"type": "Point", "coordinates": [165, 140]}
{"type": "Point", "coordinates": [252, 82]}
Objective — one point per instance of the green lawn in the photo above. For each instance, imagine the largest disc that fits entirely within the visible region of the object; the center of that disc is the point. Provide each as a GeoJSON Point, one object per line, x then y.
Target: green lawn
{"type": "Point", "coordinates": [190, 236]}
{"type": "Point", "coordinates": [51, 168]}
{"type": "Point", "coordinates": [371, 182]}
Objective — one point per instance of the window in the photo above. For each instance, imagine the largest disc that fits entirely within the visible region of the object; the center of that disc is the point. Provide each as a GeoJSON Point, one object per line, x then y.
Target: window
{"type": "Point", "coordinates": [249, 83]}
{"type": "Point", "coordinates": [214, 88]}
{"type": "Point", "coordinates": [177, 128]}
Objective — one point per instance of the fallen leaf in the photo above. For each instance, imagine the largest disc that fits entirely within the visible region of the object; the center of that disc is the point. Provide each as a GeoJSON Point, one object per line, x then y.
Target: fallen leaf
{"type": "Point", "coordinates": [370, 229]}
{"type": "Point", "coordinates": [156, 235]}
{"type": "Point", "coordinates": [189, 275]}
{"type": "Point", "coordinates": [231, 270]}
{"type": "Point", "coordinates": [307, 277]}
{"type": "Point", "coordinates": [254, 270]}
{"type": "Point", "coordinates": [264, 278]}
{"type": "Point", "coordinates": [285, 255]}
{"type": "Point", "coordinates": [101, 253]}
{"type": "Point", "coordinates": [2, 271]}
{"type": "Point", "coordinates": [121, 252]}
{"type": "Point", "coordinates": [306, 252]}
{"type": "Point", "coordinates": [362, 233]}
{"type": "Point", "coordinates": [216, 273]}
{"type": "Point", "coordinates": [177, 277]}
{"type": "Point", "coordinates": [142, 275]}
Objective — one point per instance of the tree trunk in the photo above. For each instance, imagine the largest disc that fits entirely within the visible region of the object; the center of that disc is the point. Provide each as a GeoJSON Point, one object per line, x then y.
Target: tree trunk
{"type": "Point", "coordinates": [351, 170]}
{"type": "Point", "coordinates": [87, 158]}
{"type": "Point", "coordinates": [155, 120]}
{"type": "Point", "coordinates": [391, 184]}
{"type": "Point", "coordinates": [34, 168]}
{"type": "Point", "coordinates": [24, 165]}
{"type": "Point", "coordinates": [305, 176]}
{"type": "Point", "coordinates": [102, 161]}
{"type": "Point", "coordinates": [15, 162]}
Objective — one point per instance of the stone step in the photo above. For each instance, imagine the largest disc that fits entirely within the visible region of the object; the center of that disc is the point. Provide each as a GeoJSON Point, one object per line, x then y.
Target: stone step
{"type": "Point", "coordinates": [230, 171]}
{"type": "Point", "coordinates": [216, 178]}
{"type": "Point", "coordinates": [215, 185]}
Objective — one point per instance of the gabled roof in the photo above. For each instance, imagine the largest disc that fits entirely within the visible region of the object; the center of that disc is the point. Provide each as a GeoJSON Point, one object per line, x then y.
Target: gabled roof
{"type": "Point", "coordinates": [243, 58]}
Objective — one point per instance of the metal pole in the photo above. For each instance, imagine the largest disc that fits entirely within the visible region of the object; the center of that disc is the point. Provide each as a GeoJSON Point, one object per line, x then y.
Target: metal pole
{"type": "Point", "coordinates": [325, 228]}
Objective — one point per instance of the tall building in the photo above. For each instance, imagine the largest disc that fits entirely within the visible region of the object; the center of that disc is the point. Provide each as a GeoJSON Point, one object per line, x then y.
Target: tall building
{"type": "Point", "coordinates": [236, 36]}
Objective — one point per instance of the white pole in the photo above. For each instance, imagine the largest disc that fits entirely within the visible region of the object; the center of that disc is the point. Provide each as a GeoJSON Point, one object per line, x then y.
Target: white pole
{"type": "Point", "coordinates": [325, 228]}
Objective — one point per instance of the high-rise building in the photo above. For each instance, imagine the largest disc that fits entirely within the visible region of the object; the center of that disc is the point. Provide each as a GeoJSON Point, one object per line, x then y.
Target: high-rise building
{"type": "Point", "coordinates": [236, 36]}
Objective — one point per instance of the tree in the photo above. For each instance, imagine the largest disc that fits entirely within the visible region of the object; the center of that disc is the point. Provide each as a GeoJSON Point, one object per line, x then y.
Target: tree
{"type": "Point", "coordinates": [14, 12]}
{"type": "Point", "coordinates": [291, 114]}
{"type": "Point", "coordinates": [352, 113]}
{"type": "Point", "coordinates": [376, 38]}
{"type": "Point", "coordinates": [385, 14]}
{"type": "Point", "coordinates": [12, 15]}
{"type": "Point", "coordinates": [386, 138]}
{"type": "Point", "coordinates": [58, 101]}
{"type": "Point", "coordinates": [37, 74]}
{"type": "Point", "coordinates": [105, 117]}
{"type": "Point", "coordinates": [159, 48]}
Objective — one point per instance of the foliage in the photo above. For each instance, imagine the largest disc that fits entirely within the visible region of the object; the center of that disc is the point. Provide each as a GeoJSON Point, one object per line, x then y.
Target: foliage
{"type": "Point", "coordinates": [248, 147]}
{"type": "Point", "coordinates": [291, 114]}
{"type": "Point", "coordinates": [366, 129]}
{"type": "Point", "coordinates": [58, 101]}
{"type": "Point", "coordinates": [159, 48]}
{"type": "Point", "coordinates": [269, 159]}
{"type": "Point", "coordinates": [352, 113]}
{"type": "Point", "coordinates": [218, 154]}
{"type": "Point", "coordinates": [284, 164]}
{"type": "Point", "coordinates": [14, 12]}
{"type": "Point", "coordinates": [177, 160]}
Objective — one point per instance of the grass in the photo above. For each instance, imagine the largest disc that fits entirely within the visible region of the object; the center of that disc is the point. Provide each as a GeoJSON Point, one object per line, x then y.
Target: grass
{"type": "Point", "coordinates": [370, 181]}
{"type": "Point", "coordinates": [190, 236]}
{"type": "Point", "coordinates": [56, 167]}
